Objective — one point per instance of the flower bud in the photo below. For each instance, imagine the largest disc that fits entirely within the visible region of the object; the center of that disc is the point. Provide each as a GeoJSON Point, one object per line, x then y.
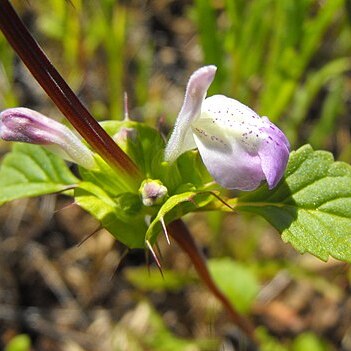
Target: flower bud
{"type": "Point", "coordinates": [152, 192]}
{"type": "Point", "coordinates": [28, 126]}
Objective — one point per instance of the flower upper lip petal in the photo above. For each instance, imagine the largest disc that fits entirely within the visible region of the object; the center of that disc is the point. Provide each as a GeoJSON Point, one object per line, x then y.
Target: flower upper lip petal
{"type": "Point", "coordinates": [181, 139]}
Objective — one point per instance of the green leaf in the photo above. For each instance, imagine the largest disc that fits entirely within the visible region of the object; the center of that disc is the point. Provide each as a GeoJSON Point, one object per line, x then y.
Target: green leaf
{"type": "Point", "coordinates": [104, 194]}
{"type": "Point", "coordinates": [119, 215]}
{"type": "Point", "coordinates": [30, 170]}
{"type": "Point", "coordinates": [20, 342]}
{"type": "Point", "coordinates": [143, 143]}
{"type": "Point", "coordinates": [150, 279]}
{"type": "Point", "coordinates": [105, 177]}
{"type": "Point", "coordinates": [146, 330]}
{"type": "Point", "coordinates": [268, 342]}
{"type": "Point", "coordinates": [175, 207]}
{"type": "Point", "coordinates": [236, 281]}
{"type": "Point", "coordinates": [308, 341]}
{"type": "Point", "coordinates": [311, 206]}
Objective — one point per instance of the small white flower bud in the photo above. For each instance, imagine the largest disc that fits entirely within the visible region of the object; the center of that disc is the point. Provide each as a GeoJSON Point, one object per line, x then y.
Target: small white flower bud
{"type": "Point", "coordinates": [152, 192]}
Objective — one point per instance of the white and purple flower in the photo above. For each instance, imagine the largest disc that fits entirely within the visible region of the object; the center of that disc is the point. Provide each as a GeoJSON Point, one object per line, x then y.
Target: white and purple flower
{"type": "Point", "coordinates": [28, 126]}
{"type": "Point", "coordinates": [239, 148]}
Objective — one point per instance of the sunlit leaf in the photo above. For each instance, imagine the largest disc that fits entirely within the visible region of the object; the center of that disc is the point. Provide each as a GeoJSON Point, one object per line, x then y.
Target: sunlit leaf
{"type": "Point", "coordinates": [236, 281]}
{"type": "Point", "coordinates": [311, 207]}
{"type": "Point", "coordinates": [150, 279]}
{"type": "Point", "coordinates": [308, 341]}
{"type": "Point", "coordinates": [144, 329]}
{"type": "Point", "coordinates": [30, 170]}
{"type": "Point", "coordinates": [175, 207]}
{"type": "Point", "coordinates": [20, 342]}
{"type": "Point", "coordinates": [120, 215]}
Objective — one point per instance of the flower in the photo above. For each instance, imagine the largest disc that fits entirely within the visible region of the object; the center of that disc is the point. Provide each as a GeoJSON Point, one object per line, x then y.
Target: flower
{"type": "Point", "coordinates": [239, 148]}
{"type": "Point", "coordinates": [28, 126]}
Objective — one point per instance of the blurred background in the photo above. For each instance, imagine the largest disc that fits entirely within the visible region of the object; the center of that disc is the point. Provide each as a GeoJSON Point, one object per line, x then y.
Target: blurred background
{"type": "Point", "coordinates": [287, 59]}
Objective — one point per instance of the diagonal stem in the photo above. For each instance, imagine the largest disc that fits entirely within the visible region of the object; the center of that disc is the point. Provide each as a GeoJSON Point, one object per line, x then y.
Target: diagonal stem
{"type": "Point", "coordinates": [180, 233]}
{"type": "Point", "coordinates": [55, 86]}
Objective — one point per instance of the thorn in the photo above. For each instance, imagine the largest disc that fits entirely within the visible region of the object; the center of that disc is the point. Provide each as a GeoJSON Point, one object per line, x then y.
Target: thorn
{"type": "Point", "coordinates": [71, 3]}
{"type": "Point", "coordinates": [221, 200]}
{"type": "Point", "coordinates": [122, 257]}
{"type": "Point", "coordinates": [213, 194]}
{"type": "Point", "coordinates": [154, 256]}
{"type": "Point", "coordinates": [126, 109]}
{"type": "Point", "coordinates": [66, 207]}
{"type": "Point", "coordinates": [88, 236]}
{"type": "Point", "coordinates": [165, 230]}
{"type": "Point", "coordinates": [160, 255]}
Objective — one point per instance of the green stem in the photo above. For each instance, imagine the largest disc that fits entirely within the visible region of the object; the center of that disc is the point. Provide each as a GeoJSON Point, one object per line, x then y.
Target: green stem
{"type": "Point", "coordinates": [65, 99]}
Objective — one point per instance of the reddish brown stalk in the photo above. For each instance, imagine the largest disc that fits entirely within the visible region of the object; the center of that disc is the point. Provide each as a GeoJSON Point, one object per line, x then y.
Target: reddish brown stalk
{"type": "Point", "coordinates": [180, 233]}
{"type": "Point", "coordinates": [55, 86]}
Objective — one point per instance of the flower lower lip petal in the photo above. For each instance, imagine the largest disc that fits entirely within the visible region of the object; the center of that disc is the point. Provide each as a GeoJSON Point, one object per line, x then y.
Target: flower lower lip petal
{"type": "Point", "coordinates": [231, 167]}
{"type": "Point", "coordinates": [274, 158]}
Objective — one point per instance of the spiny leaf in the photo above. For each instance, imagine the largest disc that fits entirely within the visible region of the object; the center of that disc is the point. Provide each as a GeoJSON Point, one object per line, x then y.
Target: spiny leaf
{"type": "Point", "coordinates": [175, 207]}
{"type": "Point", "coordinates": [311, 207]}
{"type": "Point", "coordinates": [30, 170]}
{"type": "Point", "coordinates": [119, 215]}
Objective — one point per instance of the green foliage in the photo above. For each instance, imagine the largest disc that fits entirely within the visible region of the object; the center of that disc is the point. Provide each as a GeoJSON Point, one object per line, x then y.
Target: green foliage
{"type": "Point", "coordinates": [83, 29]}
{"type": "Point", "coordinates": [311, 205]}
{"type": "Point", "coordinates": [120, 215]}
{"type": "Point", "coordinates": [274, 56]}
{"type": "Point", "coordinates": [211, 44]}
{"type": "Point", "coordinates": [176, 207]}
{"type": "Point", "coordinates": [20, 342]}
{"type": "Point", "coordinates": [105, 194]}
{"type": "Point", "coordinates": [112, 197]}
{"type": "Point", "coordinates": [330, 75]}
{"type": "Point", "coordinates": [288, 59]}
{"type": "Point", "coordinates": [30, 170]}
{"type": "Point", "coordinates": [150, 279]}
{"type": "Point", "coordinates": [147, 331]}
{"type": "Point", "coordinates": [268, 343]}
{"type": "Point", "coordinates": [141, 142]}
{"type": "Point", "coordinates": [308, 341]}
{"type": "Point", "coordinates": [237, 282]}
{"type": "Point", "coordinates": [330, 115]}
{"type": "Point", "coordinates": [8, 96]}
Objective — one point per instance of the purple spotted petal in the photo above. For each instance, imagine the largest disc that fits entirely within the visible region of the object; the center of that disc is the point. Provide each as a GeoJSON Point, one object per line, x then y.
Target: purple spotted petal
{"type": "Point", "coordinates": [28, 126]}
{"type": "Point", "coordinates": [274, 154]}
{"type": "Point", "coordinates": [181, 139]}
{"type": "Point", "coordinates": [231, 165]}
{"type": "Point", "coordinates": [239, 148]}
